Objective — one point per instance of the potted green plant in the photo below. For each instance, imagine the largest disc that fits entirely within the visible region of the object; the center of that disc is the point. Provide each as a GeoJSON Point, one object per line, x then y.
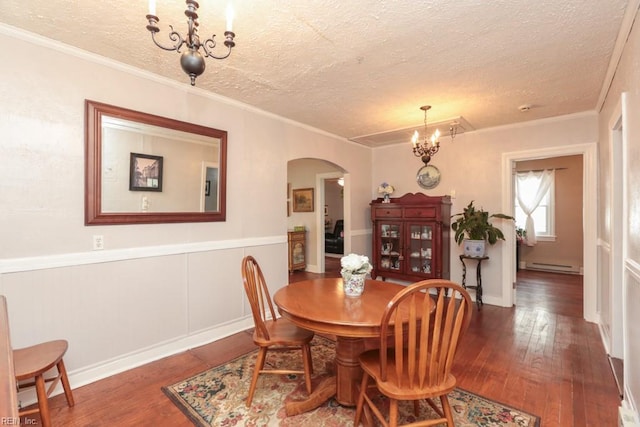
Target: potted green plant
{"type": "Point", "coordinates": [473, 227]}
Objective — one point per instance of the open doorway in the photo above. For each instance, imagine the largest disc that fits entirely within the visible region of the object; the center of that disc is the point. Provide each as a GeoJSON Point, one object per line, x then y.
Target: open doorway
{"type": "Point", "coordinates": [332, 246]}
{"type": "Point", "coordinates": [589, 229]}
{"type": "Point", "coordinates": [550, 190]}
{"type": "Point", "coordinates": [334, 217]}
{"type": "Point", "coordinates": [310, 175]}
{"type": "Point", "coordinates": [556, 213]}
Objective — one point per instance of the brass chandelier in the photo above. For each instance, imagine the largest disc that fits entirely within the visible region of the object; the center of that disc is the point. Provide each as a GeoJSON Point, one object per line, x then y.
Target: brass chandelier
{"type": "Point", "coordinates": [430, 145]}
{"type": "Point", "coordinates": [192, 61]}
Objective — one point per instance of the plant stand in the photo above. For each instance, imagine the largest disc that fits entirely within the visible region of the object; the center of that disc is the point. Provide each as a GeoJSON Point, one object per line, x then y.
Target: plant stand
{"type": "Point", "coordinates": [478, 286]}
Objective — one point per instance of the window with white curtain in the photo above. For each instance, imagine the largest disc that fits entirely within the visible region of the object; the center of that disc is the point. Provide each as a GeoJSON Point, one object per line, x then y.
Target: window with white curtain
{"type": "Point", "coordinates": [531, 187]}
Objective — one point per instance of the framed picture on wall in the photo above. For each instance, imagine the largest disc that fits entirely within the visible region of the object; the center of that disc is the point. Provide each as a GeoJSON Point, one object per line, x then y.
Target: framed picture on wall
{"type": "Point", "coordinates": [303, 200]}
{"type": "Point", "coordinates": [145, 172]}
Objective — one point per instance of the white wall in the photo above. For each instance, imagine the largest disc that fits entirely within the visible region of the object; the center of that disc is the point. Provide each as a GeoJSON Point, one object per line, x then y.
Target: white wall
{"type": "Point", "coordinates": [623, 96]}
{"type": "Point", "coordinates": [156, 289]}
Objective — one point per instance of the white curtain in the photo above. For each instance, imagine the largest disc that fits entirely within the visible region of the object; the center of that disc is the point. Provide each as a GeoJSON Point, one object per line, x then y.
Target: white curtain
{"type": "Point", "coordinates": [529, 200]}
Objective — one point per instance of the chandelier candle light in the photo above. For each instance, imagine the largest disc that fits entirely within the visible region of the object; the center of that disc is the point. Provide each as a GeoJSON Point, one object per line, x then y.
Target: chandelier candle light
{"type": "Point", "coordinates": [192, 61]}
{"type": "Point", "coordinates": [430, 146]}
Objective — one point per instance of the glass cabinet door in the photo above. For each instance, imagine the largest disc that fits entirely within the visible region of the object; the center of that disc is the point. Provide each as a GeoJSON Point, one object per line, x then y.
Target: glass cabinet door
{"type": "Point", "coordinates": [390, 246]}
{"type": "Point", "coordinates": [420, 248]}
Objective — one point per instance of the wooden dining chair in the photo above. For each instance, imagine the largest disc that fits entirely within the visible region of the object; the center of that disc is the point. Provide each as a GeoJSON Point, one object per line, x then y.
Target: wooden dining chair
{"type": "Point", "coordinates": [417, 350]}
{"type": "Point", "coordinates": [272, 333]}
{"type": "Point", "coordinates": [31, 365]}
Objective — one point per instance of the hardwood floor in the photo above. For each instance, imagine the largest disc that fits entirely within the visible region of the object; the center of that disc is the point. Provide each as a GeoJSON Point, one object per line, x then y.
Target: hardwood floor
{"type": "Point", "coordinates": [539, 356]}
{"type": "Point", "coordinates": [554, 292]}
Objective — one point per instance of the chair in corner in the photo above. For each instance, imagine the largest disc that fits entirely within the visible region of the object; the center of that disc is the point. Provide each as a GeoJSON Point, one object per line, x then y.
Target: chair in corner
{"type": "Point", "coordinates": [416, 354]}
{"type": "Point", "coordinates": [271, 333]}
{"type": "Point", "coordinates": [31, 364]}
{"type": "Point", "coordinates": [334, 242]}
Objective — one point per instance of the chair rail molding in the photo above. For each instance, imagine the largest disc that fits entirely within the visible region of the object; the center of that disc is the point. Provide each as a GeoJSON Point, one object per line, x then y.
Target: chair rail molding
{"type": "Point", "coordinates": [16, 265]}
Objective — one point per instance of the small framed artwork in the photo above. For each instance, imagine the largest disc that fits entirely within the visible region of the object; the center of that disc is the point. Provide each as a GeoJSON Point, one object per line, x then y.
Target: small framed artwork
{"type": "Point", "coordinates": [145, 172]}
{"type": "Point", "coordinates": [303, 200]}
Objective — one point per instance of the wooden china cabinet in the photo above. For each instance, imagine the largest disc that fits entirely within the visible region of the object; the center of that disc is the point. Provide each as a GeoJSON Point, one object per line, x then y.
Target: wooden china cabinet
{"type": "Point", "coordinates": [411, 237]}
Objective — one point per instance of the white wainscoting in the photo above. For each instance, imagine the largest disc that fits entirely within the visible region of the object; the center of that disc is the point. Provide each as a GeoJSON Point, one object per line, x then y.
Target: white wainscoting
{"type": "Point", "coordinates": [123, 308]}
{"type": "Point", "coordinates": [604, 294]}
{"type": "Point", "coordinates": [631, 313]}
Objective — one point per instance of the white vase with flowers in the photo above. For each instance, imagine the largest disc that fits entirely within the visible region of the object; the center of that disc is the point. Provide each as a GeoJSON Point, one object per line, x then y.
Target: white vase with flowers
{"type": "Point", "coordinates": [354, 271]}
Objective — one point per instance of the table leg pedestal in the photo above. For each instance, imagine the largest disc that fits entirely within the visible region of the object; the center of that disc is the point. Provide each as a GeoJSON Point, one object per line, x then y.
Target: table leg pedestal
{"type": "Point", "coordinates": [348, 369]}
{"type": "Point", "coordinates": [324, 391]}
{"type": "Point", "coordinates": [344, 385]}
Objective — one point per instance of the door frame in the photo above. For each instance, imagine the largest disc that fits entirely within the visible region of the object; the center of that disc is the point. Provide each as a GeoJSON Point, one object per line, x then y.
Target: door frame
{"type": "Point", "coordinates": [618, 226]}
{"type": "Point", "coordinates": [590, 224]}
{"type": "Point", "coordinates": [320, 185]}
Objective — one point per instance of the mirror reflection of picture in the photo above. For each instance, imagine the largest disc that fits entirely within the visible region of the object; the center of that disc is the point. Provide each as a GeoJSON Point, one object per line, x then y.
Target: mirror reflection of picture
{"type": "Point", "coordinates": [113, 133]}
{"type": "Point", "coordinates": [145, 173]}
{"type": "Point", "coordinates": [210, 175]}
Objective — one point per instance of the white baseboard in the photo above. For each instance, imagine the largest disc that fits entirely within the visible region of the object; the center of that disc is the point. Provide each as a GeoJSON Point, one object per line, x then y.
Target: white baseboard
{"type": "Point", "coordinates": [126, 362]}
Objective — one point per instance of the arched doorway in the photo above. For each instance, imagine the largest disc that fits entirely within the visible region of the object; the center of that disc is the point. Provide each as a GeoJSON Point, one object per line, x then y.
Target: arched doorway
{"type": "Point", "coordinates": [312, 173]}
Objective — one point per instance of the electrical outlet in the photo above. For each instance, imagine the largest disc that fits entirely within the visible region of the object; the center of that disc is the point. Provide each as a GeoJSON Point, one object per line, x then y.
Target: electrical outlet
{"type": "Point", "coordinates": [98, 242]}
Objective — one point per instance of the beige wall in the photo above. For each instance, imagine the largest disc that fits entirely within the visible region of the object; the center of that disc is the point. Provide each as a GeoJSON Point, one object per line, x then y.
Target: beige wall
{"type": "Point", "coordinates": [567, 247]}
{"type": "Point", "coordinates": [471, 168]}
{"type": "Point", "coordinates": [156, 289]}
{"type": "Point", "coordinates": [179, 284]}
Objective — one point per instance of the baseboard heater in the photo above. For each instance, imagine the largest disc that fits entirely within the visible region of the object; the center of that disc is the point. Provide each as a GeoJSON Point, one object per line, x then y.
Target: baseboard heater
{"type": "Point", "coordinates": [559, 268]}
{"type": "Point", "coordinates": [627, 418]}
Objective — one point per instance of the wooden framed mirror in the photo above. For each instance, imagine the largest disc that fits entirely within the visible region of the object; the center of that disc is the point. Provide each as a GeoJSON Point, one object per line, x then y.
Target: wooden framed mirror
{"type": "Point", "coordinates": [146, 169]}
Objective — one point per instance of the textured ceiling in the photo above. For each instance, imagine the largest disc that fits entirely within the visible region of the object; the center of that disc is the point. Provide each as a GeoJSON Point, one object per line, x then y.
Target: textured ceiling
{"type": "Point", "coordinates": [359, 68]}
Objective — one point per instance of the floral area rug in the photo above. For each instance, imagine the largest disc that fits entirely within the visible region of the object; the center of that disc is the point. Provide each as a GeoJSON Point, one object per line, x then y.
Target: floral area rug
{"type": "Point", "coordinates": [217, 396]}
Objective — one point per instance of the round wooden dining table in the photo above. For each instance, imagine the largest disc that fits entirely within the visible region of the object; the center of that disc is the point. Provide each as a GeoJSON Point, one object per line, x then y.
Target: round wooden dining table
{"type": "Point", "coordinates": [320, 305]}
